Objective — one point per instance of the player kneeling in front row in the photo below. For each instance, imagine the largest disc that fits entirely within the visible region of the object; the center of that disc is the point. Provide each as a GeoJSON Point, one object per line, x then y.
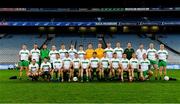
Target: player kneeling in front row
{"type": "Point", "coordinates": [67, 67]}
{"type": "Point", "coordinates": [104, 67]}
{"type": "Point", "coordinates": [94, 67]}
{"type": "Point", "coordinates": [57, 67]}
{"type": "Point", "coordinates": [115, 67]}
{"type": "Point", "coordinates": [145, 73]}
{"type": "Point", "coordinates": [124, 63]}
{"type": "Point", "coordinates": [76, 66]}
{"type": "Point", "coordinates": [84, 68]}
{"type": "Point", "coordinates": [45, 69]}
{"type": "Point", "coordinates": [33, 70]}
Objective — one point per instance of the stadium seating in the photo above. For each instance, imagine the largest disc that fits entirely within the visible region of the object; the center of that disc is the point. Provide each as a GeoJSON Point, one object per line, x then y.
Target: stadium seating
{"type": "Point", "coordinates": [10, 46]}
{"type": "Point", "coordinates": [9, 51]}
{"type": "Point", "coordinates": [171, 40]}
{"type": "Point", "coordinates": [136, 40]}
{"type": "Point", "coordinates": [74, 39]}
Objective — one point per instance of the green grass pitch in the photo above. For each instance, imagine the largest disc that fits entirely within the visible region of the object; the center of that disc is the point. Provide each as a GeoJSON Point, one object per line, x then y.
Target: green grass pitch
{"type": "Point", "coordinates": [24, 91]}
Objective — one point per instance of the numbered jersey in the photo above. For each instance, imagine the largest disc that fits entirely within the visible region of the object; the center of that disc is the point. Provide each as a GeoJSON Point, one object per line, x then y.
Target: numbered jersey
{"type": "Point", "coordinates": [46, 66]}
{"type": "Point", "coordinates": [24, 55]}
{"type": "Point", "coordinates": [52, 55]}
{"type": "Point", "coordinates": [85, 63]}
{"type": "Point", "coordinates": [115, 63]}
{"type": "Point", "coordinates": [62, 53]}
{"type": "Point", "coordinates": [57, 64]}
{"type": "Point", "coordinates": [105, 62]}
{"type": "Point", "coordinates": [162, 55]}
{"type": "Point", "coordinates": [134, 63]}
{"type": "Point", "coordinates": [144, 64]}
{"type": "Point", "coordinates": [94, 62]}
{"type": "Point", "coordinates": [35, 53]}
{"type": "Point", "coordinates": [76, 63]}
{"type": "Point", "coordinates": [152, 54]}
{"type": "Point", "coordinates": [119, 52]}
{"type": "Point", "coordinates": [109, 52]}
{"type": "Point", "coordinates": [33, 68]}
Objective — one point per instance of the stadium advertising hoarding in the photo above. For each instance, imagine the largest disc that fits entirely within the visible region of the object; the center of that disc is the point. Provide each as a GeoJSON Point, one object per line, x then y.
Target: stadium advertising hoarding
{"type": "Point", "coordinates": [129, 23]}
{"type": "Point", "coordinates": [11, 66]}
{"type": "Point", "coordinates": [6, 66]}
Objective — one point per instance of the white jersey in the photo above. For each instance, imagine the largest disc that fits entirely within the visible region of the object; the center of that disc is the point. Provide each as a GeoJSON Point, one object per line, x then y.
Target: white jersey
{"type": "Point", "coordinates": [33, 68]}
{"type": "Point", "coordinates": [124, 63]}
{"type": "Point", "coordinates": [140, 53]}
{"type": "Point", "coordinates": [52, 55]}
{"type": "Point", "coordinates": [94, 62]}
{"type": "Point", "coordinates": [24, 55]}
{"type": "Point", "coordinates": [109, 52]}
{"type": "Point", "coordinates": [151, 53]}
{"type": "Point", "coordinates": [85, 63]}
{"type": "Point", "coordinates": [72, 52]}
{"type": "Point", "coordinates": [76, 63]}
{"type": "Point", "coordinates": [145, 64]}
{"type": "Point", "coordinates": [81, 54]}
{"type": "Point", "coordinates": [104, 62]}
{"type": "Point", "coordinates": [115, 63]}
{"type": "Point", "coordinates": [67, 63]}
{"type": "Point", "coordinates": [57, 64]}
{"type": "Point", "coordinates": [62, 53]}
{"type": "Point", "coordinates": [46, 66]}
{"type": "Point", "coordinates": [119, 52]}
{"type": "Point", "coordinates": [134, 63]}
{"type": "Point", "coordinates": [35, 54]}
{"type": "Point", "coordinates": [162, 55]}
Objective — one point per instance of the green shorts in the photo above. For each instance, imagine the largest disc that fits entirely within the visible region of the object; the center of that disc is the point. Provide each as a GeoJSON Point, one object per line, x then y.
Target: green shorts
{"type": "Point", "coordinates": [145, 73]}
{"type": "Point", "coordinates": [24, 63]}
{"type": "Point", "coordinates": [153, 62]}
{"type": "Point", "coordinates": [162, 63]}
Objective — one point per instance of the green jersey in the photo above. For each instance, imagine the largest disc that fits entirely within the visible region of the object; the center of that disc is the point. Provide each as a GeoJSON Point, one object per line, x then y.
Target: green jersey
{"type": "Point", "coordinates": [44, 53]}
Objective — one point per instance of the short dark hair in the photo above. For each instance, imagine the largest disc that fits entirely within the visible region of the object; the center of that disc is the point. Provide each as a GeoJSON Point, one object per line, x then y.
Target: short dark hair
{"type": "Point", "coordinates": [45, 57]}
{"type": "Point", "coordinates": [94, 52]}
{"type": "Point", "coordinates": [81, 45]}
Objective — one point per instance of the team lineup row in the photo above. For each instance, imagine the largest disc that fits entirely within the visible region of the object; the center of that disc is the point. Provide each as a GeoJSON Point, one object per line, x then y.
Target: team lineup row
{"type": "Point", "coordinates": [100, 63]}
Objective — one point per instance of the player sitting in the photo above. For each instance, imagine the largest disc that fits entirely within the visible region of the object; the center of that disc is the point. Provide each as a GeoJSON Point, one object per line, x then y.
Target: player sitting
{"type": "Point", "coordinates": [67, 67]}
{"type": "Point", "coordinates": [134, 65]}
{"type": "Point", "coordinates": [104, 66]}
{"type": "Point", "coordinates": [76, 66]}
{"type": "Point", "coordinates": [33, 70]}
{"type": "Point", "coordinates": [125, 67]}
{"type": "Point", "coordinates": [94, 67]}
{"type": "Point", "coordinates": [85, 68]}
{"type": "Point", "coordinates": [115, 67]}
{"type": "Point", "coordinates": [57, 67]}
{"type": "Point", "coordinates": [46, 69]}
{"type": "Point", "coordinates": [146, 73]}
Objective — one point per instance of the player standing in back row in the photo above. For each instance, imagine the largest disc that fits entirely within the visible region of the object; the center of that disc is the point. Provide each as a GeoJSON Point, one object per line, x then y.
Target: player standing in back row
{"type": "Point", "coordinates": [118, 50]}
{"type": "Point", "coordinates": [152, 56]}
{"type": "Point", "coordinates": [109, 51]}
{"type": "Point", "coordinates": [35, 53]}
{"type": "Point", "coordinates": [62, 51]}
{"type": "Point", "coordinates": [24, 60]}
{"type": "Point", "coordinates": [162, 56]}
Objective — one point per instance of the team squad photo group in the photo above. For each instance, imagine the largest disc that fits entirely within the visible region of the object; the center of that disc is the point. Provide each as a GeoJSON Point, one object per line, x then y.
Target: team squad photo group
{"type": "Point", "coordinates": [93, 64]}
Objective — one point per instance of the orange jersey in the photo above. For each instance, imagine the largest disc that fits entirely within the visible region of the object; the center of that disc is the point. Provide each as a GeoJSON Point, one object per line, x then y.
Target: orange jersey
{"type": "Point", "coordinates": [99, 52]}
{"type": "Point", "coordinates": [89, 53]}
